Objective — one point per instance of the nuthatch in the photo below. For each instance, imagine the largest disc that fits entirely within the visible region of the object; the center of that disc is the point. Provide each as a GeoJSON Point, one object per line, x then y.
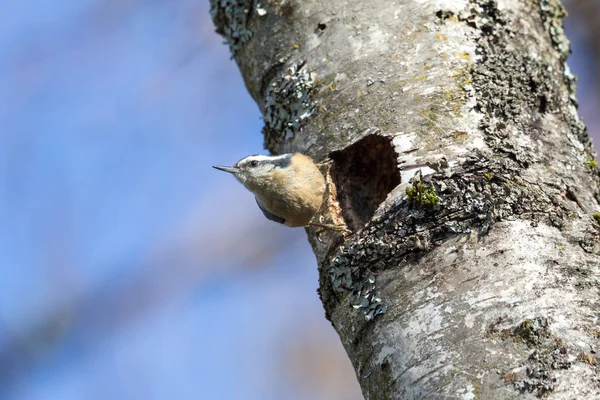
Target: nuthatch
{"type": "Point", "coordinates": [289, 188]}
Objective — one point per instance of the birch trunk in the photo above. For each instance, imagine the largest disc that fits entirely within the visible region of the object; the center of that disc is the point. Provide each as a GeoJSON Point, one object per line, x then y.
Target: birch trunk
{"type": "Point", "coordinates": [461, 165]}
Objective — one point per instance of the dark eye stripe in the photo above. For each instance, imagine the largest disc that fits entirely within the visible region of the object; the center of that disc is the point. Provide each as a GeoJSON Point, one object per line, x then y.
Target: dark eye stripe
{"type": "Point", "coordinates": [283, 162]}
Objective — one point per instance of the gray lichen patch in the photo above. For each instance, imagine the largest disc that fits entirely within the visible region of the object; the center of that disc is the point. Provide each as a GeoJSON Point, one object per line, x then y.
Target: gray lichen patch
{"type": "Point", "coordinates": [231, 19]}
{"type": "Point", "coordinates": [345, 277]}
{"type": "Point", "coordinates": [549, 354]}
{"type": "Point", "coordinates": [288, 104]}
{"type": "Point", "coordinates": [364, 174]}
{"type": "Point", "coordinates": [507, 103]}
{"type": "Point", "coordinates": [470, 199]}
{"type": "Point", "coordinates": [553, 13]}
{"type": "Point", "coordinates": [525, 95]}
{"type": "Point", "coordinates": [540, 373]}
{"type": "Point", "coordinates": [365, 298]}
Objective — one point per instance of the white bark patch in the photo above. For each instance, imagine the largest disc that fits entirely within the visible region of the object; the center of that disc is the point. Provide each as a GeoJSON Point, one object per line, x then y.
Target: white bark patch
{"type": "Point", "coordinates": [407, 174]}
{"type": "Point", "coordinates": [514, 279]}
{"type": "Point", "coordinates": [469, 320]}
{"type": "Point", "coordinates": [378, 38]}
{"type": "Point", "coordinates": [428, 319]}
{"type": "Point", "coordinates": [404, 142]}
{"type": "Point", "coordinates": [467, 393]}
{"type": "Point", "coordinates": [454, 5]}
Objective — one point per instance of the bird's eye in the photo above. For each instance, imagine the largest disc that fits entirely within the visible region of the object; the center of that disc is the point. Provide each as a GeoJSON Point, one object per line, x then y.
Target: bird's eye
{"type": "Point", "coordinates": [253, 163]}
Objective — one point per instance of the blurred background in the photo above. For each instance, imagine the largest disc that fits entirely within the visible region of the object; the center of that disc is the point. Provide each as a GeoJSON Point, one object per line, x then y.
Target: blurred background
{"type": "Point", "coordinates": [130, 269]}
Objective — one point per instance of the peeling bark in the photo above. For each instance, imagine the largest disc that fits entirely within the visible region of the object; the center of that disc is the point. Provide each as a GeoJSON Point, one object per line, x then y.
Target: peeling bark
{"type": "Point", "coordinates": [459, 161]}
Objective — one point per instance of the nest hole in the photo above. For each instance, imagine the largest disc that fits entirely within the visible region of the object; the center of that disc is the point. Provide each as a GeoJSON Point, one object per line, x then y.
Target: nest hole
{"type": "Point", "coordinates": [364, 173]}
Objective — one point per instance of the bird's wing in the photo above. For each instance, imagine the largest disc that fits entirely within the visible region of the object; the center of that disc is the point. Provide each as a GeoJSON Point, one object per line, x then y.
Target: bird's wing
{"type": "Point", "coordinates": [269, 215]}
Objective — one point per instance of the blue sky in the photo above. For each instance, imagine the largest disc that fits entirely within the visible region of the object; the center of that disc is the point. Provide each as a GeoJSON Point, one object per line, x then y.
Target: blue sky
{"type": "Point", "coordinates": [131, 269]}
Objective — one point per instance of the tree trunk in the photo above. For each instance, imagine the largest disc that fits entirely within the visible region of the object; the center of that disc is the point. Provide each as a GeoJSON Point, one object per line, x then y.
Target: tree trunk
{"type": "Point", "coordinates": [461, 166]}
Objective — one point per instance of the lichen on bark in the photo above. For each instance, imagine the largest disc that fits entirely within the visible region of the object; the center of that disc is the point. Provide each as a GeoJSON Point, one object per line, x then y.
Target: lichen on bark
{"type": "Point", "coordinates": [231, 18]}
{"type": "Point", "coordinates": [288, 104]}
{"type": "Point", "coordinates": [472, 268]}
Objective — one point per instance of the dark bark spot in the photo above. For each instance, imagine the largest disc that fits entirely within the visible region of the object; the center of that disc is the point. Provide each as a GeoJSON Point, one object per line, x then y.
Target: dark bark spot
{"type": "Point", "coordinates": [364, 173]}
{"type": "Point", "coordinates": [287, 10]}
{"type": "Point", "coordinates": [543, 104]}
{"type": "Point", "coordinates": [444, 15]}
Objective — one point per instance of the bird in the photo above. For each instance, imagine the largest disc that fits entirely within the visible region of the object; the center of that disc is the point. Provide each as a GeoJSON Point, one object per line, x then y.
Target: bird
{"type": "Point", "coordinates": [288, 188]}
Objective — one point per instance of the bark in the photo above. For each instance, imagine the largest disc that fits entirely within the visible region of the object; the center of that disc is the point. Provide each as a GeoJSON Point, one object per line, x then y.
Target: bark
{"type": "Point", "coordinates": [475, 275]}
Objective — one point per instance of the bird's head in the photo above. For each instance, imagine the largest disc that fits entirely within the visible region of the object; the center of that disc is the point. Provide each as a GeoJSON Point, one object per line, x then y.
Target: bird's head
{"type": "Point", "coordinates": [253, 171]}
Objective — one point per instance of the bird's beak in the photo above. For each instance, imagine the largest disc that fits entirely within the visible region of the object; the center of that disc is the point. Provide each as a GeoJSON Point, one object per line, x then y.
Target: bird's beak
{"type": "Point", "coordinates": [231, 170]}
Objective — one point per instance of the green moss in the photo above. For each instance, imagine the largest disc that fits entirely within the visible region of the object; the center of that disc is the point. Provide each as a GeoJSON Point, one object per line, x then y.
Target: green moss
{"type": "Point", "coordinates": [487, 176]}
{"type": "Point", "coordinates": [597, 217]}
{"type": "Point", "coordinates": [531, 331]}
{"type": "Point", "coordinates": [592, 163]}
{"type": "Point", "coordinates": [422, 194]}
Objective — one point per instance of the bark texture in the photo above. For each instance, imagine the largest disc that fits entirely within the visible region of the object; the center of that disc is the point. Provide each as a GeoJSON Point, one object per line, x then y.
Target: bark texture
{"type": "Point", "coordinates": [461, 165]}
